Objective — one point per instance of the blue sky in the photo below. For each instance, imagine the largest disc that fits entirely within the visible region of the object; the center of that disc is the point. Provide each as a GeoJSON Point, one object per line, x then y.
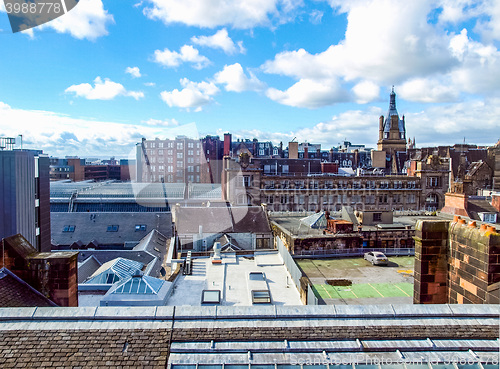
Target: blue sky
{"type": "Point", "coordinates": [96, 80]}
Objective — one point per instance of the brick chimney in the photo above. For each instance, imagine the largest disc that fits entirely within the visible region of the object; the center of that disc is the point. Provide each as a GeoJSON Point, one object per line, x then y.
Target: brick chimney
{"type": "Point", "coordinates": [455, 204]}
{"type": "Point", "coordinates": [293, 150]}
{"type": "Point", "coordinates": [54, 274]}
{"type": "Point", "coordinates": [227, 144]}
{"type": "Point", "coordinates": [495, 201]}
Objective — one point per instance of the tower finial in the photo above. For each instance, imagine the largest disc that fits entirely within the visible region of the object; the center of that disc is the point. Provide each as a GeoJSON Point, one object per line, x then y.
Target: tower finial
{"type": "Point", "coordinates": [392, 88]}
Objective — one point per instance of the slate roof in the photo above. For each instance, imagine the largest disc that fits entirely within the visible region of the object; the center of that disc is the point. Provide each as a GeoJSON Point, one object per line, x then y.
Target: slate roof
{"type": "Point", "coordinates": [150, 251]}
{"type": "Point", "coordinates": [14, 292]}
{"type": "Point", "coordinates": [472, 155]}
{"type": "Point", "coordinates": [87, 267]}
{"type": "Point", "coordinates": [251, 219]}
{"type": "Point", "coordinates": [242, 219]}
{"type": "Point", "coordinates": [165, 336]}
{"type": "Point", "coordinates": [475, 206]}
{"type": "Point", "coordinates": [94, 226]}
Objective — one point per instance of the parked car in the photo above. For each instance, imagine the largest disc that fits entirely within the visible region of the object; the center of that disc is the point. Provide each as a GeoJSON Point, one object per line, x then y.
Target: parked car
{"type": "Point", "coordinates": [376, 258]}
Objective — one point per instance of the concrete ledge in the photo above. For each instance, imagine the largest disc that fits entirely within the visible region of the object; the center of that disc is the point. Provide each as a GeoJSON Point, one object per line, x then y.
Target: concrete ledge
{"type": "Point", "coordinates": [250, 312]}
{"type": "Point", "coordinates": [164, 313]}
{"type": "Point", "coordinates": [427, 225]}
{"type": "Point", "coordinates": [360, 311]}
{"type": "Point", "coordinates": [475, 310]}
{"type": "Point", "coordinates": [253, 313]}
{"type": "Point", "coordinates": [195, 312]}
{"type": "Point", "coordinates": [307, 311]}
{"type": "Point", "coordinates": [125, 312]}
{"type": "Point", "coordinates": [427, 310]}
{"type": "Point", "coordinates": [65, 313]}
{"type": "Point", "coordinates": [18, 313]}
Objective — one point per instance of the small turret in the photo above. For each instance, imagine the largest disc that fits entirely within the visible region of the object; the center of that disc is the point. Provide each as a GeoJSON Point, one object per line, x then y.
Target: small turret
{"type": "Point", "coordinates": [381, 127]}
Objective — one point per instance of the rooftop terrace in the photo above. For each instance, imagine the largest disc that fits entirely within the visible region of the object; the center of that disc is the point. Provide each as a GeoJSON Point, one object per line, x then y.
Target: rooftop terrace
{"type": "Point", "coordinates": [231, 278]}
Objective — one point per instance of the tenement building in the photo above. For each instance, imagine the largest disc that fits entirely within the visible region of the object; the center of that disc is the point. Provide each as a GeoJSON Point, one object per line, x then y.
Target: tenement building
{"type": "Point", "coordinates": [179, 160]}
{"type": "Point", "coordinates": [300, 185]}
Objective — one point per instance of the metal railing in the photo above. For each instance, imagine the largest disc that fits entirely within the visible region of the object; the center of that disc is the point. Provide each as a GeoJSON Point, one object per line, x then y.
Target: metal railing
{"type": "Point", "coordinates": [353, 252]}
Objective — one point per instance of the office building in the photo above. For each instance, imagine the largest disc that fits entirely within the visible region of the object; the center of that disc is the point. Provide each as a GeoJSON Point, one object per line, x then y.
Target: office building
{"type": "Point", "coordinates": [24, 196]}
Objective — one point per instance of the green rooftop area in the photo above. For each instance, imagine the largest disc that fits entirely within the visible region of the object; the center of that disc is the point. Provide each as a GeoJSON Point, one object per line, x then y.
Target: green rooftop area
{"type": "Point", "coordinates": [357, 281]}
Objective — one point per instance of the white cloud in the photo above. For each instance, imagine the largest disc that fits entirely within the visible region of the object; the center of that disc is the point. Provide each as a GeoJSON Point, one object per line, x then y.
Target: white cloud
{"type": "Point", "coordinates": [150, 84]}
{"type": "Point", "coordinates": [60, 135]}
{"type": "Point", "coordinates": [133, 71]}
{"type": "Point", "coordinates": [428, 91]}
{"type": "Point", "coordinates": [102, 90]}
{"type": "Point", "coordinates": [298, 64]}
{"type": "Point", "coordinates": [29, 32]}
{"type": "Point", "coordinates": [163, 123]}
{"type": "Point", "coordinates": [315, 16]}
{"type": "Point", "coordinates": [220, 40]}
{"type": "Point", "coordinates": [366, 91]}
{"type": "Point", "coordinates": [438, 125]}
{"type": "Point", "coordinates": [490, 29]}
{"type": "Point", "coordinates": [309, 93]}
{"type": "Point", "coordinates": [88, 20]}
{"type": "Point", "coordinates": [390, 42]}
{"type": "Point", "coordinates": [187, 54]}
{"type": "Point", "coordinates": [193, 95]}
{"type": "Point", "coordinates": [455, 11]}
{"type": "Point", "coordinates": [479, 71]}
{"type": "Point", "coordinates": [386, 41]}
{"type": "Point", "coordinates": [241, 14]}
{"type": "Point", "coordinates": [235, 79]}
{"type": "Point", "coordinates": [450, 123]}
{"type": "Point", "coordinates": [355, 125]}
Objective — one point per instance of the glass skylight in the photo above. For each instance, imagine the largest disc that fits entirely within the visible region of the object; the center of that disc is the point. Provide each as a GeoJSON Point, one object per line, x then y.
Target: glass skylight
{"type": "Point", "coordinates": [140, 285]}
{"type": "Point", "coordinates": [115, 270]}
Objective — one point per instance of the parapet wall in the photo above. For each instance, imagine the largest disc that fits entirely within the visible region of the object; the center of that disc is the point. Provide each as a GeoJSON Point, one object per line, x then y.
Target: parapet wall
{"type": "Point", "coordinates": [456, 262]}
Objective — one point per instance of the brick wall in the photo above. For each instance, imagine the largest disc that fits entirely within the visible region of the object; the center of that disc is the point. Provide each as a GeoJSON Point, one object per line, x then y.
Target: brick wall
{"type": "Point", "coordinates": [456, 263]}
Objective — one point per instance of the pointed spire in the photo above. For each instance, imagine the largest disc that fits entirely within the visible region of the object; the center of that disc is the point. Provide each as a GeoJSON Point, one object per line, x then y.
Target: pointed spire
{"type": "Point", "coordinates": [392, 104]}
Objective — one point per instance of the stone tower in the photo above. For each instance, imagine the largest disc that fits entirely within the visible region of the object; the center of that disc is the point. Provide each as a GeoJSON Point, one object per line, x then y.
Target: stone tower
{"type": "Point", "coordinates": [392, 131]}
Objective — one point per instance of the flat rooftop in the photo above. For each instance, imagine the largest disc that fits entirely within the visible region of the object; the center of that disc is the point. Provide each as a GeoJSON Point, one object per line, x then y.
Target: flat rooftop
{"type": "Point", "coordinates": [231, 278]}
{"type": "Point", "coordinates": [293, 224]}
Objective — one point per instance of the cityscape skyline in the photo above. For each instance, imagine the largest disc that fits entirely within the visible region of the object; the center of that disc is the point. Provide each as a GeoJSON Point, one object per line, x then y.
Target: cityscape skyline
{"type": "Point", "coordinates": [317, 71]}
